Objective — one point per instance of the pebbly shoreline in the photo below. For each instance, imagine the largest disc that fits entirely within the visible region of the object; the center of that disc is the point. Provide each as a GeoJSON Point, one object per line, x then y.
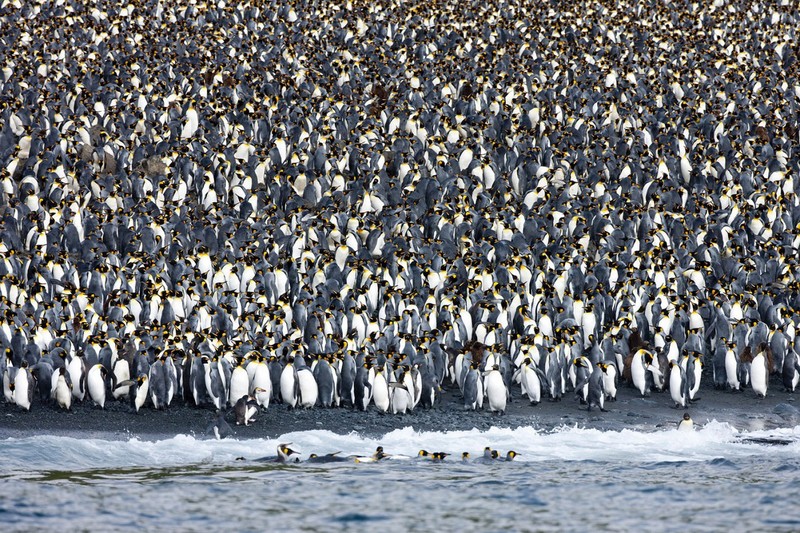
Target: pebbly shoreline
{"type": "Point", "coordinates": [742, 410]}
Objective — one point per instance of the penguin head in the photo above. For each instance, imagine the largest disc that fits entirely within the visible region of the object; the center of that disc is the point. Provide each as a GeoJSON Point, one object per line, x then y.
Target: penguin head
{"type": "Point", "coordinates": [423, 453]}
{"type": "Point", "coordinates": [495, 454]}
{"type": "Point", "coordinates": [465, 456]}
{"type": "Point", "coordinates": [511, 455]}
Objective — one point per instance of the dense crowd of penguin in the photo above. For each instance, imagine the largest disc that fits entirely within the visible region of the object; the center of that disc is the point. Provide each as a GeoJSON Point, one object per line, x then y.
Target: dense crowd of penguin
{"type": "Point", "coordinates": [353, 204]}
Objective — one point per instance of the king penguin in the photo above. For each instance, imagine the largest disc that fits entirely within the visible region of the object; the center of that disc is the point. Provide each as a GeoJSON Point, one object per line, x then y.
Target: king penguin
{"type": "Point", "coordinates": [496, 391]}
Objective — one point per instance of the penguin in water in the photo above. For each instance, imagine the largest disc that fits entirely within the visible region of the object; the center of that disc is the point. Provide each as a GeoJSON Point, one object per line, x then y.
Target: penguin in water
{"type": "Point", "coordinates": [379, 455]}
{"type": "Point", "coordinates": [219, 427]}
{"type": "Point", "coordinates": [496, 391]}
{"type": "Point", "coordinates": [284, 455]}
{"type": "Point", "coordinates": [61, 390]}
{"type": "Point", "coordinates": [328, 458]}
{"type": "Point", "coordinates": [510, 456]}
{"type": "Point", "coordinates": [686, 424]}
{"type": "Point", "coordinates": [678, 386]}
{"type": "Point", "coordinates": [489, 456]}
{"type": "Point", "coordinates": [245, 409]}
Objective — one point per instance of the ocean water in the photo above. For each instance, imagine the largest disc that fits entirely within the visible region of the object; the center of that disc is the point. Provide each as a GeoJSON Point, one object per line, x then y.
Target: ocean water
{"type": "Point", "coordinates": [570, 479]}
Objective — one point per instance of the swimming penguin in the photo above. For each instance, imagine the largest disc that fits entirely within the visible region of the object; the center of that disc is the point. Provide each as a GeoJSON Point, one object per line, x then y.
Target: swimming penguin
{"type": "Point", "coordinates": [511, 455]}
{"type": "Point", "coordinates": [284, 455]}
{"type": "Point", "coordinates": [489, 455]}
{"type": "Point", "coordinates": [496, 391]}
{"type": "Point", "coordinates": [465, 457]}
{"type": "Point", "coordinates": [678, 386]}
{"type": "Point", "coordinates": [686, 424]}
{"type": "Point", "coordinates": [96, 384]}
{"type": "Point", "coordinates": [379, 455]}
{"type": "Point", "coordinates": [245, 409]}
{"type": "Point", "coordinates": [219, 427]}
{"type": "Point", "coordinates": [327, 458]}
{"type": "Point", "coordinates": [61, 390]}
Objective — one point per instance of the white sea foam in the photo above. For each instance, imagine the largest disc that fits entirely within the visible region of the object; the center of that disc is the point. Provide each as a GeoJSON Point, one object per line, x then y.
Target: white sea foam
{"type": "Point", "coordinates": [714, 440]}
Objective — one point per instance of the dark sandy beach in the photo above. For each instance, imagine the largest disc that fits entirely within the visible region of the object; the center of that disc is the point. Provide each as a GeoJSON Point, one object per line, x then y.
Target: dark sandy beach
{"type": "Point", "coordinates": [740, 409]}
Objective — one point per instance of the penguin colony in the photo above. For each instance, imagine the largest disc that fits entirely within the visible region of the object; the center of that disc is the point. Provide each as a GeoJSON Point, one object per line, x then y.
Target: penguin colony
{"type": "Point", "coordinates": [360, 203]}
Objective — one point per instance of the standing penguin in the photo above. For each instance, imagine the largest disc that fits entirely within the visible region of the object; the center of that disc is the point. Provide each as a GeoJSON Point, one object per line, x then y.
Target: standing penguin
{"type": "Point", "coordinates": [289, 385]}
{"type": "Point", "coordinates": [596, 396]}
{"type": "Point", "coordinates": [759, 373]}
{"type": "Point", "coordinates": [362, 388]}
{"type": "Point", "coordinates": [157, 385]}
{"type": "Point", "coordinates": [610, 380]}
{"type": "Point", "coordinates": [23, 386]}
{"type": "Point", "coordinates": [530, 379]}
{"type": "Point", "coordinates": [245, 409]}
{"type": "Point", "coordinates": [76, 368]}
{"type": "Point", "coordinates": [326, 382]}
{"type": "Point", "coordinates": [261, 383]}
{"type": "Point", "coordinates": [496, 391]}
{"type": "Point", "coordinates": [678, 386]}
{"type": "Point", "coordinates": [380, 391]}
{"type": "Point", "coordinates": [96, 384]}
{"type": "Point", "coordinates": [308, 391]}
{"type": "Point", "coordinates": [139, 391]}
{"type": "Point", "coordinates": [732, 367]}
{"type": "Point", "coordinates": [582, 368]}
{"type": "Point", "coordinates": [400, 398]}
{"type": "Point", "coordinates": [473, 388]}
{"type": "Point", "coordinates": [638, 371]}
{"type": "Point", "coordinates": [348, 379]}
{"type": "Point", "coordinates": [61, 389]}
{"type": "Point", "coordinates": [240, 383]}
{"type": "Point", "coordinates": [790, 372]}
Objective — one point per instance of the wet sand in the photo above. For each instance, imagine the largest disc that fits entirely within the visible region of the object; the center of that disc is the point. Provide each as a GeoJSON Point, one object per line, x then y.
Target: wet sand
{"type": "Point", "coordinates": [740, 409]}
